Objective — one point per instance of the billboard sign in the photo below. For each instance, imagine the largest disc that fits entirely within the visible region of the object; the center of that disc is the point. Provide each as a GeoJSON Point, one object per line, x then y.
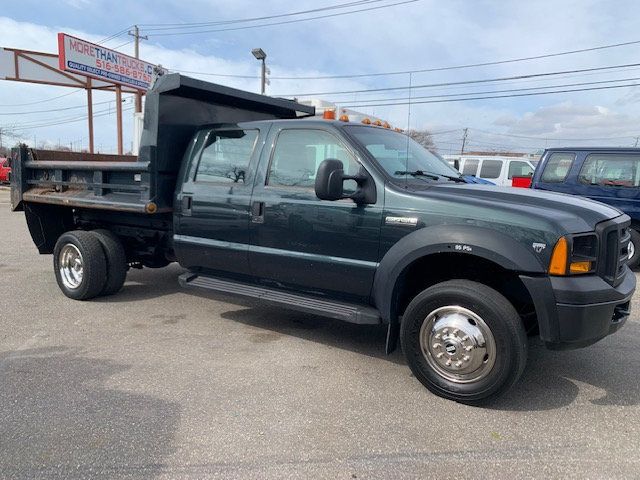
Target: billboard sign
{"type": "Point", "coordinates": [86, 58]}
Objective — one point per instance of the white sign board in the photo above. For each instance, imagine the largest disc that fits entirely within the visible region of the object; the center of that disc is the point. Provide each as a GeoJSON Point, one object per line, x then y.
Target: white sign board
{"type": "Point", "coordinates": [86, 58]}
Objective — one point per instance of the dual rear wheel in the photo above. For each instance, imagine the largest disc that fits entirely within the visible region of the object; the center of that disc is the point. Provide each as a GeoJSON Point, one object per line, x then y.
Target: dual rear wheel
{"type": "Point", "coordinates": [89, 263]}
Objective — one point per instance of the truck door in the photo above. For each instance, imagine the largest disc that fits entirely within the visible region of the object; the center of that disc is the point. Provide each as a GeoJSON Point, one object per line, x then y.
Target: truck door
{"type": "Point", "coordinates": [213, 207]}
{"type": "Point", "coordinates": [299, 241]}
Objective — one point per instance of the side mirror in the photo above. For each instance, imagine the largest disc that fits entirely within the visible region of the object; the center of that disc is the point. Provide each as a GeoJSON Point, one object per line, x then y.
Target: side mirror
{"type": "Point", "coordinates": [330, 183]}
{"type": "Point", "coordinates": [329, 180]}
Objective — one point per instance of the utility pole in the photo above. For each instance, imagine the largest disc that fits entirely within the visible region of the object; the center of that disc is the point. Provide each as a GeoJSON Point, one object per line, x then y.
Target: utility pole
{"type": "Point", "coordinates": [634, 145]}
{"type": "Point", "coordinates": [464, 140]}
{"type": "Point", "coordinates": [0, 138]}
{"type": "Point", "coordinates": [135, 33]}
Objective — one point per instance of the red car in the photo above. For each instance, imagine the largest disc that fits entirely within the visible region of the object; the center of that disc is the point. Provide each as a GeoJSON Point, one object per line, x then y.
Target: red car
{"type": "Point", "coordinates": [5, 169]}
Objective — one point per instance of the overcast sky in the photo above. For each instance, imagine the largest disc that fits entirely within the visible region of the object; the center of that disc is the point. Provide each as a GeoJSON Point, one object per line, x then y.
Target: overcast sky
{"type": "Point", "coordinates": [409, 36]}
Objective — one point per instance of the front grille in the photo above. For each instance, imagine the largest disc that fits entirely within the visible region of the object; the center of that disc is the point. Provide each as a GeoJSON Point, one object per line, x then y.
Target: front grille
{"type": "Point", "coordinates": [614, 253]}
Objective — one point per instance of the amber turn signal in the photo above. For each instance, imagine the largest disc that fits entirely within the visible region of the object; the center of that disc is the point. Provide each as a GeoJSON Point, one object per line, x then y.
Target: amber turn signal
{"type": "Point", "coordinates": [559, 258]}
{"type": "Point", "coordinates": [580, 267]}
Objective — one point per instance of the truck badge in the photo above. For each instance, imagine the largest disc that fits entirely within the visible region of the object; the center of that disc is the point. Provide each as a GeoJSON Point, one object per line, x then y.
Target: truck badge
{"type": "Point", "coordinates": [539, 247]}
{"type": "Point", "coordinates": [404, 221]}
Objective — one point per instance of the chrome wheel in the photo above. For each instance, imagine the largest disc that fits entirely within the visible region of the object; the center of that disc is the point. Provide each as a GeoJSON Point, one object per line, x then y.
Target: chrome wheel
{"type": "Point", "coordinates": [457, 344]}
{"type": "Point", "coordinates": [71, 266]}
{"type": "Point", "coordinates": [631, 250]}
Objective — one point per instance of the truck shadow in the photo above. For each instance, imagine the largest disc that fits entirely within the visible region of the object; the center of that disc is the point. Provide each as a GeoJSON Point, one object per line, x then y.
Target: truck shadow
{"type": "Point", "coordinates": [59, 420]}
{"type": "Point", "coordinates": [606, 373]}
{"type": "Point", "coordinates": [363, 339]}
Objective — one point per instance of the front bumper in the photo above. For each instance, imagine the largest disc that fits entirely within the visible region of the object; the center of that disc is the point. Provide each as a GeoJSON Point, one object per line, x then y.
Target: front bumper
{"type": "Point", "coordinates": [574, 312]}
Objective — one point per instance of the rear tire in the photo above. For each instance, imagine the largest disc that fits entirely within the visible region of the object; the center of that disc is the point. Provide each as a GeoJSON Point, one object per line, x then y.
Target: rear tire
{"type": "Point", "coordinates": [464, 341]}
{"type": "Point", "coordinates": [80, 265]}
{"type": "Point", "coordinates": [116, 261]}
{"type": "Point", "coordinates": [634, 260]}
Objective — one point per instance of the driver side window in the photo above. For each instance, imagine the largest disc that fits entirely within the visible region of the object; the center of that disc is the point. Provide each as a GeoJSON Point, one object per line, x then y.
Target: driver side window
{"type": "Point", "coordinates": [298, 154]}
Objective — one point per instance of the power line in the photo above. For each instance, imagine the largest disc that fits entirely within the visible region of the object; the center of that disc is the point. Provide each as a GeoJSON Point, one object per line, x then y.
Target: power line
{"type": "Point", "coordinates": [104, 113]}
{"type": "Point", "coordinates": [115, 35]}
{"type": "Point", "coordinates": [178, 26]}
{"type": "Point", "coordinates": [549, 138]}
{"type": "Point", "coordinates": [499, 96]}
{"type": "Point", "coordinates": [56, 109]}
{"type": "Point", "coordinates": [284, 22]}
{"type": "Point", "coordinates": [464, 82]}
{"type": "Point", "coordinates": [364, 103]}
{"type": "Point", "coordinates": [40, 101]}
{"type": "Point", "coordinates": [425, 70]}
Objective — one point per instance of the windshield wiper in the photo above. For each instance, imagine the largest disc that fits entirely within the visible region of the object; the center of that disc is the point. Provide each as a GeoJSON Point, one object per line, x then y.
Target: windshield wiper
{"type": "Point", "coordinates": [433, 176]}
{"type": "Point", "coordinates": [418, 173]}
{"type": "Point", "coordinates": [452, 178]}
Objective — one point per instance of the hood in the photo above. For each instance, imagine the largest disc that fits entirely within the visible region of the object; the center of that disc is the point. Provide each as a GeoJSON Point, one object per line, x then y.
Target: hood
{"type": "Point", "coordinates": [568, 212]}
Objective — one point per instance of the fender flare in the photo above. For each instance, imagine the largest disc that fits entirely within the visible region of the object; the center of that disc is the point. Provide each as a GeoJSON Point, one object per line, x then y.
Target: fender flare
{"type": "Point", "coordinates": [485, 243]}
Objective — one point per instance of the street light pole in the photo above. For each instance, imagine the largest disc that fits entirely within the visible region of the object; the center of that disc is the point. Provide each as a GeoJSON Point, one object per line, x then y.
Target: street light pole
{"type": "Point", "coordinates": [260, 55]}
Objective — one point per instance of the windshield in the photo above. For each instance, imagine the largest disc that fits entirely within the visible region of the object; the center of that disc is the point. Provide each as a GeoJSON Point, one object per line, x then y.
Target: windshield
{"type": "Point", "coordinates": [390, 150]}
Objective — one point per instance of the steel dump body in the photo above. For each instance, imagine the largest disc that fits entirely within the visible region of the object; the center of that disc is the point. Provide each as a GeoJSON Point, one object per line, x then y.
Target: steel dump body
{"type": "Point", "coordinates": [175, 108]}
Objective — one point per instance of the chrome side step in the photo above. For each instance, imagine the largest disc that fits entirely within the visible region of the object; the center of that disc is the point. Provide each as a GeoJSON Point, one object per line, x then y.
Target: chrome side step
{"type": "Point", "coordinates": [347, 312]}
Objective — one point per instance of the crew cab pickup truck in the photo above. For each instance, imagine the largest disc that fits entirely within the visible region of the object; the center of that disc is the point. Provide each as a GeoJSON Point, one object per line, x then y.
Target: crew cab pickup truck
{"type": "Point", "coordinates": [256, 198]}
{"type": "Point", "coordinates": [608, 175]}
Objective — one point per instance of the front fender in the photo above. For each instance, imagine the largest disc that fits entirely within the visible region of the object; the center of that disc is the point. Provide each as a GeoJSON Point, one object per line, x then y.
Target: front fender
{"type": "Point", "coordinates": [463, 239]}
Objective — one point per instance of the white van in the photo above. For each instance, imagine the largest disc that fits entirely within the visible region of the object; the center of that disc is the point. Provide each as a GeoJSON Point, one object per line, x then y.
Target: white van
{"type": "Point", "coordinates": [499, 170]}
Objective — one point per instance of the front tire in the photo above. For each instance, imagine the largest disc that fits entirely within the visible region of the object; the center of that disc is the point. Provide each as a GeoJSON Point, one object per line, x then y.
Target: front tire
{"type": "Point", "coordinates": [80, 265]}
{"type": "Point", "coordinates": [464, 341]}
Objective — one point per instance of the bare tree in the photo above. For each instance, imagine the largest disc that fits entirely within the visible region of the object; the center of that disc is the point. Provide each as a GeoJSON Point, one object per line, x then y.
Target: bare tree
{"type": "Point", "coordinates": [423, 137]}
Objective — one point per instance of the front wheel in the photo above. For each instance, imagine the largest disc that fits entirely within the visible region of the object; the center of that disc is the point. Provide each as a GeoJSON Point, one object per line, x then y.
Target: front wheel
{"type": "Point", "coordinates": [464, 341]}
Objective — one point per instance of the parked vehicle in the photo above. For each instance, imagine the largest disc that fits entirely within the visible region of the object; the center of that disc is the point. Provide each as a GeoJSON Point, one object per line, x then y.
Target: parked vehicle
{"type": "Point", "coordinates": [5, 170]}
{"type": "Point", "coordinates": [608, 175]}
{"type": "Point", "coordinates": [345, 220]}
{"type": "Point", "coordinates": [498, 170]}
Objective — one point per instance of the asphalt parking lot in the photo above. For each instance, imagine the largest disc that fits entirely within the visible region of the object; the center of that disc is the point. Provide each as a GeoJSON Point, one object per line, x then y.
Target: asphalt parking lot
{"type": "Point", "coordinates": [157, 382]}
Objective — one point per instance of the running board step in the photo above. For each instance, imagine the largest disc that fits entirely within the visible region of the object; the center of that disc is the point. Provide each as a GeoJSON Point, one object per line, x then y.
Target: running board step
{"type": "Point", "coordinates": [347, 312]}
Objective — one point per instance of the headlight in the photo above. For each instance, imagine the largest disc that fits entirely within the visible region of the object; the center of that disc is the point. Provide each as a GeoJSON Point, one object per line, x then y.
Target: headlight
{"type": "Point", "coordinates": [574, 255]}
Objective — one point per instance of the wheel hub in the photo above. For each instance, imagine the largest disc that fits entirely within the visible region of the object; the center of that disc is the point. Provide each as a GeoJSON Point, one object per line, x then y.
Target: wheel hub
{"type": "Point", "coordinates": [457, 344]}
{"type": "Point", "coordinates": [71, 266]}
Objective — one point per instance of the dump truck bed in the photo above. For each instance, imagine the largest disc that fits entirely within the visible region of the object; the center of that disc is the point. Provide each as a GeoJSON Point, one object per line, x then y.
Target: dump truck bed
{"type": "Point", "coordinates": [175, 108]}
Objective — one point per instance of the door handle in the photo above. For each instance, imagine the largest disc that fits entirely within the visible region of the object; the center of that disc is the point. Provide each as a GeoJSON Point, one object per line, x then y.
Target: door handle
{"type": "Point", "coordinates": [257, 212]}
{"type": "Point", "coordinates": [186, 205]}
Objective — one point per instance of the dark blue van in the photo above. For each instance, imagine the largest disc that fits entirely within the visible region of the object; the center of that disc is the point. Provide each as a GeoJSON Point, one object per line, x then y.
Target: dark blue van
{"type": "Point", "coordinates": [608, 175]}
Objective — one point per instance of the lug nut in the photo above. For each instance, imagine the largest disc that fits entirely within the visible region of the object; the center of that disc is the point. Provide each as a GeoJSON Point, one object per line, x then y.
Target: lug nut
{"type": "Point", "coordinates": [466, 358]}
{"type": "Point", "coordinates": [468, 348]}
{"type": "Point", "coordinates": [458, 364]}
{"type": "Point", "coordinates": [440, 355]}
{"type": "Point", "coordinates": [448, 363]}
{"type": "Point", "coordinates": [436, 345]}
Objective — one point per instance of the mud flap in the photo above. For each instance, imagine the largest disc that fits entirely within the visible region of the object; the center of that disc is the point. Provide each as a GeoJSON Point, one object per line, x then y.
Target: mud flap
{"type": "Point", "coordinates": [392, 336]}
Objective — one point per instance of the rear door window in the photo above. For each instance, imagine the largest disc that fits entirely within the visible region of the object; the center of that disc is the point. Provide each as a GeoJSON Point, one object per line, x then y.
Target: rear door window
{"type": "Point", "coordinates": [557, 167]}
{"type": "Point", "coordinates": [226, 156]}
{"type": "Point", "coordinates": [519, 169]}
{"type": "Point", "coordinates": [611, 170]}
{"type": "Point", "coordinates": [470, 167]}
{"type": "Point", "coordinates": [490, 169]}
